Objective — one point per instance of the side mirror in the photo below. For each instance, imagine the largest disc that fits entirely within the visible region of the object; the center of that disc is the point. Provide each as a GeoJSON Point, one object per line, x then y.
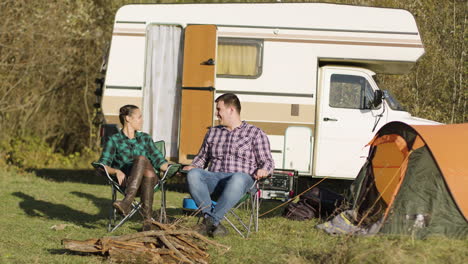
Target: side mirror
{"type": "Point", "coordinates": [378, 97]}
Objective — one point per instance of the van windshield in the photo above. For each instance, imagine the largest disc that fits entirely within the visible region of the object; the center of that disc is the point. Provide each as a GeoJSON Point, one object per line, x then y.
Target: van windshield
{"type": "Point", "coordinates": [393, 102]}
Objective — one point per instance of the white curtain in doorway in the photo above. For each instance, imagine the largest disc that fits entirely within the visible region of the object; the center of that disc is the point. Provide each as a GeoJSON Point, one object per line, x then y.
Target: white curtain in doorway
{"type": "Point", "coordinates": [161, 93]}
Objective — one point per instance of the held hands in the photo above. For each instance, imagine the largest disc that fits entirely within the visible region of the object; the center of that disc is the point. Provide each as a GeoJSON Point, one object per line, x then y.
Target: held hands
{"type": "Point", "coordinates": [120, 177]}
{"type": "Point", "coordinates": [260, 174]}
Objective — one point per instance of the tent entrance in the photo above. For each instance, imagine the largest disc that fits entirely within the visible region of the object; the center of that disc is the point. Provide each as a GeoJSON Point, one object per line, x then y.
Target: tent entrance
{"type": "Point", "coordinates": [382, 177]}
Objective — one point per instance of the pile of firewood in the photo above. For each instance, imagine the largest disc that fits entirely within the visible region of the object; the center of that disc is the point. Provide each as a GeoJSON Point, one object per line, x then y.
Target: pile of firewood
{"type": "Point", "coordinates": [165, 245]}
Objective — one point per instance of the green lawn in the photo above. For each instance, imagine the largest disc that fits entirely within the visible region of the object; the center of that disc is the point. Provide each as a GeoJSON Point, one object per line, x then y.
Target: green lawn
{"type": "Point", "coordinates": [32, 203]}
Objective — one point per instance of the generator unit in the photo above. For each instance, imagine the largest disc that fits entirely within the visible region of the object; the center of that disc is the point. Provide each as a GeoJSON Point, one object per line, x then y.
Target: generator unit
{"type": "Point", "coordinates": [280, 185]}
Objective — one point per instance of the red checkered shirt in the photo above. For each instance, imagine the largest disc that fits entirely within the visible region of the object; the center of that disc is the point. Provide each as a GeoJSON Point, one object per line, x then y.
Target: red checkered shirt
{"type": "Point", "coordinates": [244, 149]}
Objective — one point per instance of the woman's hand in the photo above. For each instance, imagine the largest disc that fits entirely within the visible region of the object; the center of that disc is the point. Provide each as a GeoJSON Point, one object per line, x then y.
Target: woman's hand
{"type": "Point", "coordinates": [118, 173]}
{"type": "Point", "coordinates": [120, 177]}
{"type": "Point", "coordinates": [187, 168]}
{"type": "Point", "coordinates": [164, 166]}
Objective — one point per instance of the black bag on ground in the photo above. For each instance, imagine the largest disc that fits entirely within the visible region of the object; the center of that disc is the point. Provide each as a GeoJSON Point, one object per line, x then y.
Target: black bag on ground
{"type": "Point", "coordinates": [299, 211]}
{"type": "Point", "coordinates": [323, 200]}
{"type": "Point", "coordinates": [317, 202]}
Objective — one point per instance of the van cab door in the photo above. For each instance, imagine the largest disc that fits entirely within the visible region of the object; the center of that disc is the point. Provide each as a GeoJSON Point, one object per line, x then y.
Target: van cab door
{"type": "Point", "coordinates": [345, 121]}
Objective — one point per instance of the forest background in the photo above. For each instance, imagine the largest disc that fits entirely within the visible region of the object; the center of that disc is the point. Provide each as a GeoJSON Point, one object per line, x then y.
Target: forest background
{"type": "Point", "coordinates": [51, 53]}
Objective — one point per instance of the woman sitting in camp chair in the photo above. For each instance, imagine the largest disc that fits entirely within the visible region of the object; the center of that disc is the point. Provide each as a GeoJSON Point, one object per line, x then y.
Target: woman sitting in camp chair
{"type": "Point", "coordinates": [132, 156]}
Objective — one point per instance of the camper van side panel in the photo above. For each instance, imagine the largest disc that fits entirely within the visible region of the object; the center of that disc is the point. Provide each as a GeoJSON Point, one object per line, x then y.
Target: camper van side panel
{"type": "Point", "coordinates": [281, 98]}
{"type": "Point", "coordinates": [125, 72]}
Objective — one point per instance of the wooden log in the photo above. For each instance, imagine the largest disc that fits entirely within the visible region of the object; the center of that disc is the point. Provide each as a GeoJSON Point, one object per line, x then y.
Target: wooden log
{"type": "Point", "coordinates": [144, 240]}
{"type": "Point", "coordinates": [171, 258]}
{"type": "Point", "coordinates": [88, 246]}
{"type": "Point", "coordinates": [177, 252]}
{"type": "Point", "coordinates": [204, 239]}
{"type": "Point", "coordinates": [153, 233]}
{"type": "Point", "coordinates": [187, 250]}
{"type": "Point", "coordinates": [163, 226]}
{"type": "Point", "coordinates": [162, 246]}
{"type": "Point", "coordinates": [125, 244]}
{"type": "Point", "coordinates": [104, 244]}
{"type": "Point", "coordinates": [178, 245]}
{"type": "Point", "coordinates": [119, 255]}
{"type": "Point", "coordinates": [190, 241]}
{"type": "Point", "coordinates": [196, 248]}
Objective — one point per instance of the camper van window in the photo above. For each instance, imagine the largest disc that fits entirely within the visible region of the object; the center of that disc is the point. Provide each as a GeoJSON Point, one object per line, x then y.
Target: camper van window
{"type": "Point", "coordinates": [350, 91]}
{"type": "Point", "coordinates": [239, 58]}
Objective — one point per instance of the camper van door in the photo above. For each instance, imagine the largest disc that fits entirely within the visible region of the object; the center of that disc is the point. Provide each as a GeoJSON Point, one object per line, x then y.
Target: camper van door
{"type": "Point", "coordinates": [345, 121]}
{"type": "Point", "coordinates": [198, 88]}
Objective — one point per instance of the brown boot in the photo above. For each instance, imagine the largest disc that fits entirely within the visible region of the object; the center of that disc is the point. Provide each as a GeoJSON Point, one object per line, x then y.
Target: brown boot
{"type": "Point", "coordinates": [133, 184]}
{"type": "Point", "coordinates": [147, 196]}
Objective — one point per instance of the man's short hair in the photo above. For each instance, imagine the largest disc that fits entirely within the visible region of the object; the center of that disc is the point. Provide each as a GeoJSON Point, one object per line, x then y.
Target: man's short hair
{"type": "Point", "coordinates": [230, 99]}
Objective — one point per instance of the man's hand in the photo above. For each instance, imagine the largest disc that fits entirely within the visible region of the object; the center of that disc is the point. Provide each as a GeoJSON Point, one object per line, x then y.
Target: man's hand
{"type": "Point", "coordinates": [120, 177]}
{"type": "Point", "coordinates": [187, 168]}
{"type": "Point", "coordinates": [260, 174]}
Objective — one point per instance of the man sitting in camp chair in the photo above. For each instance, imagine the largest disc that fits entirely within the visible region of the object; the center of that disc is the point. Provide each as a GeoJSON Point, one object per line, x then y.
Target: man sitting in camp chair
{"type": "Point", "coordinates": [236, 154]}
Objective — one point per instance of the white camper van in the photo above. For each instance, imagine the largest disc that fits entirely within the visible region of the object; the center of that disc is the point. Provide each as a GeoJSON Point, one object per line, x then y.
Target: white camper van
{"type": "Point", "coordinates": [303, 72]}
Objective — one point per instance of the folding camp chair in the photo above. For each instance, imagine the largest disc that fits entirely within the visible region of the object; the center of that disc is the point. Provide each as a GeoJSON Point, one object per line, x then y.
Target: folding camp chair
{"type": "Point", "coordinates": [252, 201]}
{"type": "Point", "coordinates": [136, 206]}
{"type": "Point", "coordinates": [170, 172]}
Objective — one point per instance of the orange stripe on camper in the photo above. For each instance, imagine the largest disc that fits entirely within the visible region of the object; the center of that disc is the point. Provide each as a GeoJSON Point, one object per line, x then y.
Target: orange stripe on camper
{"type": "Point", "coordinates": [449, 147]}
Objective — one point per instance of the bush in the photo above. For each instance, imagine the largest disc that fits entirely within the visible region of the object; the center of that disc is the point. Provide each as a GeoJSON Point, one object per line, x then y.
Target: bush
{"type": "Point", "coordinates": [31, 152]}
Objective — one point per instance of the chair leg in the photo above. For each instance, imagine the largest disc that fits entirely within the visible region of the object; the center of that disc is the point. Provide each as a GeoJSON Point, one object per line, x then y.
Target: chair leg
{"type": "Point", "coordinates": [244, 233]}
{"type": "Point", "coordinates": [136, 207]}
{"type": "Point", "coordinates": [112, 212]}
{"type": "Point", "coordinates": [256, 209]}
{"type": "Point", "coordinates": [162, 214]}
{"type": "Point", "coordinates": [234, 227]}
{"type": "Point", "coordinates": [252, 215]}
{"type": "Point", "coordinates": [252, 218]}
{"type": "Point", "coordinates": [112, 226]}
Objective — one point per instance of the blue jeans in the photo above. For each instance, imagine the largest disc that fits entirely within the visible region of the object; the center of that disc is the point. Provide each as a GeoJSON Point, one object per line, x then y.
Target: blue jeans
{"type": "Point", "coordinates": [228, 185]}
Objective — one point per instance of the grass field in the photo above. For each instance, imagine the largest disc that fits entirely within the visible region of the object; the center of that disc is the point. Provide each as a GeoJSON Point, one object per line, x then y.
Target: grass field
{"type": "Point", "coordinates": [32, 203]}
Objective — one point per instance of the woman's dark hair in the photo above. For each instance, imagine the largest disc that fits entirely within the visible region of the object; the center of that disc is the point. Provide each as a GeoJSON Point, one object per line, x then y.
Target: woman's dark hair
{"type": "Point", "coordinates": [126, 110]}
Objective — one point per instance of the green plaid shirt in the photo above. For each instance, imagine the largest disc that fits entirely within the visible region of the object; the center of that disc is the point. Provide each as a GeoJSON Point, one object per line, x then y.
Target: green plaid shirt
{"type": "Point", "coordinates": [120, 150]}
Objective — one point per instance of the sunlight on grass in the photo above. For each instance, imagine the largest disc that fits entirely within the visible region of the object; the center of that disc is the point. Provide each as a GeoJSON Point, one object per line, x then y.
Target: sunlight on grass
{"type": "Point", "coordinates": [32, 205]}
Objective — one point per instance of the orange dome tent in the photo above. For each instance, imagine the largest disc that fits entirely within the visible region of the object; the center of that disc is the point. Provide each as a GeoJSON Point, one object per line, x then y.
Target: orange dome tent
{"type": "Point", "coordinates": [415, 181]}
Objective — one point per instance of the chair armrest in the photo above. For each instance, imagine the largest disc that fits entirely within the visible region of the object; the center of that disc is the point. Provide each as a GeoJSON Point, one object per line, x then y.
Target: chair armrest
{"type": "Point", "coordinates": [172, 169]}
{"type": "Point", "coordinates": [102, 167]}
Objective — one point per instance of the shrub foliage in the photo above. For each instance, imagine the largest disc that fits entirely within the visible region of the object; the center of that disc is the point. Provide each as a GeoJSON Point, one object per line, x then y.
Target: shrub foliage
{"type": "Point", "coordinates": [51, 52]}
